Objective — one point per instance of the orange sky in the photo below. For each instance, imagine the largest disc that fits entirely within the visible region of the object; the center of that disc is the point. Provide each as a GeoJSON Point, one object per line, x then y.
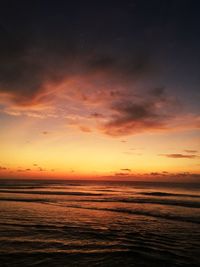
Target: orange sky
{"type": "Point", "coordinates": [67, 132]}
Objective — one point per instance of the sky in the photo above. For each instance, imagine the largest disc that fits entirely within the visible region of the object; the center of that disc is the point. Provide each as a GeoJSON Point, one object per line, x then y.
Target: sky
{"type": "Point", "coordinates": [100, 89]}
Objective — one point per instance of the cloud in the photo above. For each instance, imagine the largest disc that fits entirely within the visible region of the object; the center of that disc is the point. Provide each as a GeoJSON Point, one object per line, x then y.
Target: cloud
{"type": "Point", "coordinates": [85, 129]}
{"type": "Point", "coordinates": [45, 132]}
{"type": "Point", "coordinates": [23, 170]}
{"type": "Point", "coordinates": [19, 170]}
{"type": "Point", "coordinates": [159, 176]}
{"type": "Point", "coordinates": [97, 115]}
{"type": "Point", "coordinates": [179, 156]}
{"type": "Point", "coordinates": [46, 63]}
{"type": "Point", "coordinates": [136, 64]}
{"type": "Point", "coordinates": [121, 174]}
{"type": "Point", "coordinates": [38, 167]}
{"type": "Point", "coordinates": [126, 170]}
{"type": "Point", "coordinates": [191, 151]}
{"type": "Point", "coordinates": [41, 169]}
{"type": "Point", "coordinates": [29, 64]}
{"type": "Point", "coordinates": [130, 117]}
{"type": "Point", "coordinates": [49, 74]}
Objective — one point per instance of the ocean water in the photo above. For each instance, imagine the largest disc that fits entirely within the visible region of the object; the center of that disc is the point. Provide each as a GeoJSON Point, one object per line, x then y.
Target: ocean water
{"type": "Point", "coordinates": [84, 223]}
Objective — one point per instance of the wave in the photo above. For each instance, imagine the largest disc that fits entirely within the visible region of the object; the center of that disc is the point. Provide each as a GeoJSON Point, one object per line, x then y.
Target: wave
{"type": "Point", "coordinates": [146, 213]}
{"type": "Point", "coordinates": [136, 211]}
{"type": "Point", "coordinates": [118, 257]}
{"type": "Point", "coordinates": [114, 258]}
{"type": "Point", "coordinates": [164, 194]}
{"type": "Point", "coordinates": [50, 193]}
{"type": "Point", "coordinates": [43, 201]}
{"type": "Point", "coordinates": [154, 201]}
{"type": "Point", "coordinates": [167, 202]}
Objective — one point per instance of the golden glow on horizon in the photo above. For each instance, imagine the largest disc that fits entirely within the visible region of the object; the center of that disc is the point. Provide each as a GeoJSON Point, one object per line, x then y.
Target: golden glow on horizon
{"type": "Point", "coordinates": [28, 151]}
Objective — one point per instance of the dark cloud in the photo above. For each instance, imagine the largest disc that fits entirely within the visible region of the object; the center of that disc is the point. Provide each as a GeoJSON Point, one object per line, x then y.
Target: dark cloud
{"type": "Point", "coordinates": [25, 73]}
{"type": "Point", "coordinates": [23, 170]}
{"type": "Point", "coordinates": [2, 168]}
{"type": "Point", "coordinates": [157, 92]}
{"type": "Point", "coordinates": [38, 167]}
{"type": "Point", "coordinates": [154, 173]}
{"type": "Point", "coordinates": [26, 65]}
{"type": "Point", "coordinates": [179, 156]}
{"type": "Point", "coordinates": [45, 132]}
{"type": "Point", "coordinates": [102, 62]}
{"type": "Point", "coordinates": [130, 117]}
{"type": "Point", "coordinates": [126, 170]}
{"type": "Point", "coordinates": [97, 115]}
{"type": "Point", "coordinates": [50, 47]}
{"type": "Point", "coordinates": [191, 151]}
{"type": "Point", "coordinates": [134, 65]}
{"type": "Point", "coordinates": [41, 169]}
{"type": "Point", "coordinates": [158, 176]}
{"type": "Point", "coordinates": [195, 176]}
{"type": "Point", "coordinates": [121, 174]}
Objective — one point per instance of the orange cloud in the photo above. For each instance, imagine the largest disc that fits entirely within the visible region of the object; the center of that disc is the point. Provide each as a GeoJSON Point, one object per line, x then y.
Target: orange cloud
{"type": "Point", "coordinates": [2, 168]}
{"type": "Point", "coordinates": [85, 129]}
{"type": "Point", "coordinates": [126, 170]}
{"type": "Point", "coordinates": [191, 151]}
{"type": "Point", "coordinates": [179, 156]}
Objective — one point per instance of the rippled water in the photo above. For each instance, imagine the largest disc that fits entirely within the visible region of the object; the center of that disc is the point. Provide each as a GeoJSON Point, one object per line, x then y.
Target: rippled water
{"type": "Point", "coordinates": [82, 223]}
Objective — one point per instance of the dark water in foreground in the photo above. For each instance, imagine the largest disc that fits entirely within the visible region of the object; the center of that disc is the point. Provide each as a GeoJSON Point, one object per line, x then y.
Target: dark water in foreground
{"type": "Point", "coordinates": [65, 223]}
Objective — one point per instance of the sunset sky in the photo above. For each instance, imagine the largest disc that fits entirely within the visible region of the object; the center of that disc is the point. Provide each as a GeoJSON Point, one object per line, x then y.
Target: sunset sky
{"type": "Point", "coordinates": [100, 89]}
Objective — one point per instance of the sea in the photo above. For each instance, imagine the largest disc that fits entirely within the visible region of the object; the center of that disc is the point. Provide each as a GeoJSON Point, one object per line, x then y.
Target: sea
{"type": "Point", "coordinates": [99, 223]}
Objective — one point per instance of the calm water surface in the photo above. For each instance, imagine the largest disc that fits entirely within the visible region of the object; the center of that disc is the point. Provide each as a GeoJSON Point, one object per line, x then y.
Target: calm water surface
{"type": "Point", "coordinates": [82, 223]}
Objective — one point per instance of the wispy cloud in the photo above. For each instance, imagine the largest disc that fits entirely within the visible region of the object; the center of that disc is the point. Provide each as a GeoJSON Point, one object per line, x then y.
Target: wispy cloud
{"type": "Point", "coordinates": [126, 170]}
{"type": "Point", "coordinates": [2, 168]}
{"type": "Point", "coordinates": [45, 132]}
{"type": "Point", "coordinates": [132, 115]}
{"type": "Point", "coordinates": [179, 156]}
{"type": "Point", "coordinates": [85, 129]}
{"type": "Point", "coordinates": [121, 174]}
{"type": "Point", "coordinates": [190, 151]}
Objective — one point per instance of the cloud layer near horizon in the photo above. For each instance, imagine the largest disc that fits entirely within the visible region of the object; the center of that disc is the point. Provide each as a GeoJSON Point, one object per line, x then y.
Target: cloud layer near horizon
{"type": "Point", "coordinates": [180, 156]}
